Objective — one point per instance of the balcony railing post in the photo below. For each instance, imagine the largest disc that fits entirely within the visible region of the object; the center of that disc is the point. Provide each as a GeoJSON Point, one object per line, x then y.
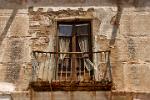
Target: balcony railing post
{"type": "Point", "coordinates": [110, 73]}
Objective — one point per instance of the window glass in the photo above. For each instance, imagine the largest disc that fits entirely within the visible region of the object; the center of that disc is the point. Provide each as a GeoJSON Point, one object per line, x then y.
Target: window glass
{"type": "Point", "coordinates": [82, 29]}
{"type": "Point", "coordinates": [65, 30]}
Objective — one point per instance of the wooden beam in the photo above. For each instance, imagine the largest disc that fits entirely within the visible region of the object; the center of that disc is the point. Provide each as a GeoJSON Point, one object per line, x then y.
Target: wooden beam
{"type": "Point", "coordinates": [73, 56]}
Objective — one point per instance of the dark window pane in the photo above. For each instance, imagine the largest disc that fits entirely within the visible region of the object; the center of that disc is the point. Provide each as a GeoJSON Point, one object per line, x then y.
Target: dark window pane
{"type": "Point", "coordinates": [82, 29]}
{"type": "Point", "coordinates": [65, 30]}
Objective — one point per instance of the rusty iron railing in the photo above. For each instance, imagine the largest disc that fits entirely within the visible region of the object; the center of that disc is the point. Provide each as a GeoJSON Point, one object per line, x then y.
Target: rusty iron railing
{"type": "Point", "coordinates": [61, 66]}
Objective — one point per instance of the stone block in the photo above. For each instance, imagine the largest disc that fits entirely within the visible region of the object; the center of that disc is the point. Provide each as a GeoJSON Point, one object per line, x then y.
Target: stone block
{"type": "Point", "coordinates": [76, 95]}
{"type": "Point", "coordinates": [43, 44]}
{"type": "Point", "coordinates": [16, 50]}
{"type": "Point", "coordinates": [20, 26]}
{"type": "Point", "coordinates": [136, 77]}
{"type": "Point", "coordinates": [135, 24]}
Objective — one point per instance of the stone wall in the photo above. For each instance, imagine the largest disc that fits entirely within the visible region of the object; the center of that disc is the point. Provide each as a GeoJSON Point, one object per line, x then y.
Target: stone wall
{"type": "Point", "coordinates": [23, 29]}
{"type": "Point", "coordinates": [15, 46]}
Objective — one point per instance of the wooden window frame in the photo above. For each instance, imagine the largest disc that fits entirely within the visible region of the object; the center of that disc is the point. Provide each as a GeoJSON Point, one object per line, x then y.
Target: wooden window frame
{"type": "Point", "coordinates": [74, 62]}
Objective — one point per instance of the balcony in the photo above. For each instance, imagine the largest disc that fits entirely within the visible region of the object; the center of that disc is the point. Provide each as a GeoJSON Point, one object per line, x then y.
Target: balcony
{"type": "Point", "coordinates": [71, 71]}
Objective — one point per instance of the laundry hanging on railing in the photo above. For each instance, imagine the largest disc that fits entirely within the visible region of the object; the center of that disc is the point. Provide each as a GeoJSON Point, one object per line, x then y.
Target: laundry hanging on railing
{"type": "Point", "coordinates": [83, 44]}
{"type": "Point", "coordinates": [63, 46]}
{"type": "Point", "coordinates": [101, 67]}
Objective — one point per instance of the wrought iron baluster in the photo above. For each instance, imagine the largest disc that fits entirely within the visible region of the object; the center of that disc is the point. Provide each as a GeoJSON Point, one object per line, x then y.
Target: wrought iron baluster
{"type": "Point", "coordinates": [80, 69]}
{"type": "Point", "coordinates": [66, 68]}
{"type": "Point", "coordinates": [61, 71]}
{"type": "Point", "coordinates": [109, 65]}
{"type": "Point", "coordinates": [44, 66]}
{"type": "Point", "coordinates": [84, 73]}
{"type": "Point", "coordinates": [105, 62]}
{"type": "Point", "coordinates": [57, 67]}
{"type": "Point", "coordinates": [49, 69]}
{"type": "Point", "coordinates": [39, 67]}
{"type": "Point", "coordinates": [34, 66]}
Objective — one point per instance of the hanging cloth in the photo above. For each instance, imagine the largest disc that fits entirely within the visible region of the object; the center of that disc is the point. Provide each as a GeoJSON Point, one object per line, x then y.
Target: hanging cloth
{"type": "Point", "coordinates": [64, 47]}
{"type": "Point", "coordinates": [83, 44]}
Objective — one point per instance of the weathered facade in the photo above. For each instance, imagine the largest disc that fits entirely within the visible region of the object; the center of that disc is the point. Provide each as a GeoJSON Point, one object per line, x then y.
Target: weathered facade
{"type": "Point", "coordinates": [118, 26]}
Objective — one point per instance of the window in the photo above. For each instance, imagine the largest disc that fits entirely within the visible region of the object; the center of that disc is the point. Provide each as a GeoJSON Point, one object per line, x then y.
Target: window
{"type": "Point", "coordinates": [5, 97]}
{"type": "Point", "coordinates": [74, 47]}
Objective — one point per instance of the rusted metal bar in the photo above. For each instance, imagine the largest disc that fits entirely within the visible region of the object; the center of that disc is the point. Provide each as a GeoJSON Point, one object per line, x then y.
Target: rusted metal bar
{"type": "Point", "coordinates": [61, 71]}
{"type": "Point", "coordinates": [80, 69]}
{"type": "Point", "coordinates": [49, 66]}
{"type": "Point", "coordinates": [71, 52]}
{"type": "Point", "coordinates": [109, 65]}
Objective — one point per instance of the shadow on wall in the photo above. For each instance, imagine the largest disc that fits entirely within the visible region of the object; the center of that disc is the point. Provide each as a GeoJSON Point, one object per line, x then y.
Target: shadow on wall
{"type": "Point", "coordinates": [8, 24]}
{"type": "Point", "coordinates": [115, 21]}
{"type": "Point", "coordinates": [13, 67]}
